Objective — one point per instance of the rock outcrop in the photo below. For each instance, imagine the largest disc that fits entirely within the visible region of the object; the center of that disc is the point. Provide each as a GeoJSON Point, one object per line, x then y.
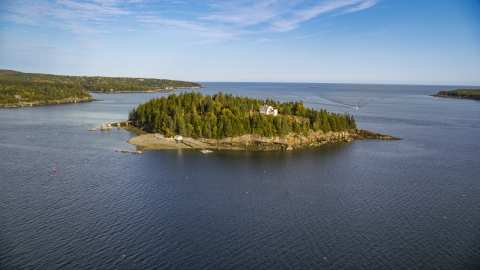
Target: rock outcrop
{"type": "Point", "coordinates": [292, 140]}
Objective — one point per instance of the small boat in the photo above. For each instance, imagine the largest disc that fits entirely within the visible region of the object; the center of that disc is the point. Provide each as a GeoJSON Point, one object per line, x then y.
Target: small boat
{"type": "Point", "coordinates": [356, 107]}
{"type": "Point", "coordinates": [206, 151]}
{"type": "Point", "coordinates": [93, 129]}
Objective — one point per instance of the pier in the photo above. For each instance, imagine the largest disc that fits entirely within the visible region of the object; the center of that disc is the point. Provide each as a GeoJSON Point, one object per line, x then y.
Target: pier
{"type": "Point", "coordinates": [105, 126]}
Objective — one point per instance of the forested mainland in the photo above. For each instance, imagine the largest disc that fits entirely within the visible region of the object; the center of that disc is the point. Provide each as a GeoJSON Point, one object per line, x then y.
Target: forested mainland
{"type": "Point", "coordinates": [224, 115]}
{"type": "Point", "coordinates": [460, 93]}
{"type": "Point", "coordinates": [18, 88]}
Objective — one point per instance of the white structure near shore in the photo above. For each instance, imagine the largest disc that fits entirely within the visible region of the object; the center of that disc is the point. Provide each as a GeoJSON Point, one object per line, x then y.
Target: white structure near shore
{"type": "Point", "coordinates": [269, 110]}
{"type": "Point", "coordinates": [178, 138]}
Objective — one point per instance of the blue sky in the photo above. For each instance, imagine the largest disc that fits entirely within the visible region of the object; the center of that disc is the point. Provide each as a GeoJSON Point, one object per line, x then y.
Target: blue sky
{"type": "Point", "coordinates": [345, 41]}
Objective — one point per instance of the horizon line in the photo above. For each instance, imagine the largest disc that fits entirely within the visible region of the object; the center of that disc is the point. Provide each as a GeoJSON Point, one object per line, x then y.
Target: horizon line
{"type": "Point", "coordinates": [233, 81]}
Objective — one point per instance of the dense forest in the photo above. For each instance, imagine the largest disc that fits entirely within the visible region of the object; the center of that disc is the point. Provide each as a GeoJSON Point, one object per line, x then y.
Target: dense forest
{"type": "Point", "coordinates": [18, 87]}
{"type": "Point", "coordinates": [461, 93]}
{"type": "Point", "coordinates": [224, 115]}
{"type": "Point", "coordinates": [31, 87]}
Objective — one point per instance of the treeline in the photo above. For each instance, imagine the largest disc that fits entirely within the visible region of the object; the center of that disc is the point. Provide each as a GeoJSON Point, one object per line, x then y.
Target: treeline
{"type": "Point", "coordinates": [224, 115]}
{"type": "Point", "coordinates": [109, 84]}
{"type": "Point", "coordinates": [461, 93]}
{"type": "Point", "coordinates": [18, 87]}
{"type": "Point", "coordinates": [30, 87]}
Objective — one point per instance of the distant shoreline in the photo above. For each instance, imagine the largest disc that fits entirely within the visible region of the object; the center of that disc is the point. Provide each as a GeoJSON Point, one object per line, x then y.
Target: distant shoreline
{"type": "Point", "coordinates": [18, 89]}
{"type": "Point", "coordinates": [47, 102]}
{"type": "Point", "coordinates": [460, 94]}
{"type": "Point", "coordinates": [444, 96]}
{"type": "Point", "coordinates": [148, 91]}
{"type": "Point", "coordinates": [22, 104]}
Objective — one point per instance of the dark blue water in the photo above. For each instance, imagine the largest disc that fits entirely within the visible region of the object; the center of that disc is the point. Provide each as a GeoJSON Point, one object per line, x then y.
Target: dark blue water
{"type": "Point", "coordinates": [410, 204]}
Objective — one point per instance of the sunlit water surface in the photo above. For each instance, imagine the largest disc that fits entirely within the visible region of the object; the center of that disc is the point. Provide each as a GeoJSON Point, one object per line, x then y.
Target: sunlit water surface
{"type": "Point", "coordinates": [410, 204]}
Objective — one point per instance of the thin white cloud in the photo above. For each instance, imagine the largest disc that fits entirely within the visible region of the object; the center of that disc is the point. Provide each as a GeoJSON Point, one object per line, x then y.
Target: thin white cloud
{"type": "Point", "coordinates": [249, 12]}
{"type": "Point", "coordinates": [363, 5]}
{"type": "Point", "coordinates": [191, 28]}
{"type": "Point", "coordinates": [281, 15]}
{"type": "Point", "coordinates": [106, 2]}
{"type": "Point", "coordinates": [87, 19]}
{"type": "Point", "coordinates": [298, 16]}
{"type": "Point", "coordinates": [216, 20]}
{"type": "Point", "coordinates": [91, 9]}
{"type": "Point", "coordinates": [24, 11]}
{"type": "Point", "coordinates": [61, 13]}
{"type": "Point", "coordinates": [229, 19]}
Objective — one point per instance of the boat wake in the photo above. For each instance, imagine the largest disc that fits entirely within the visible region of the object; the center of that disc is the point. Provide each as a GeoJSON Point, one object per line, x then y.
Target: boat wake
{"type": "Point", "coordinates": [336, 103]}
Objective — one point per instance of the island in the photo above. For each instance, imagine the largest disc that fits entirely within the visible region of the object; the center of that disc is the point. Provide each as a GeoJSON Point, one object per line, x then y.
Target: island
{"type": "Point", "coordinates": [224, 121]}
{"type": "Point", "coordinates": [460, 93]}
{"type": "Point", "coordinates": [18, 89]}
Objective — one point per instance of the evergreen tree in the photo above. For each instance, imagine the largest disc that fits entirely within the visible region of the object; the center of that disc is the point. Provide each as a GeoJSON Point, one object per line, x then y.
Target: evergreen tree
{"type": "Point", "coordinates": [220, 116]}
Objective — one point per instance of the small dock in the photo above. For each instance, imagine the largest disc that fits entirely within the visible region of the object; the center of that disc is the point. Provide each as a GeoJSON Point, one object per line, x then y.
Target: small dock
{"type": "Point", "coordinates": [108, 126]}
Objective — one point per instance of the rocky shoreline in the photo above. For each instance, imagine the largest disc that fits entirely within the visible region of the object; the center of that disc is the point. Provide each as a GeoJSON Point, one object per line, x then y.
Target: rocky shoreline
{"type": "Point", "coordinates": [48, 102]}
{"type": "Point", "coordinates": [255, 142]}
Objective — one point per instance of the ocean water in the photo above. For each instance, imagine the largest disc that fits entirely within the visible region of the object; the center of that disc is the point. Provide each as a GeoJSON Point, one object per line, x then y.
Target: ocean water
{"type": "Point", "coordinates": [409, 204]}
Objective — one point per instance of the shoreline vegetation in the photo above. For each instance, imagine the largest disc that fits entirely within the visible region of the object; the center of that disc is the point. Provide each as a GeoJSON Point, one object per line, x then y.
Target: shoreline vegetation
{"type": "Point", "coordinates": [224, 121]}
{"type": "Point", "coordinates": [69, 100]}
{"type": "Point", "coordinates": [460, 93]}
{"type": "Point", "coordinates": [18, 89]}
